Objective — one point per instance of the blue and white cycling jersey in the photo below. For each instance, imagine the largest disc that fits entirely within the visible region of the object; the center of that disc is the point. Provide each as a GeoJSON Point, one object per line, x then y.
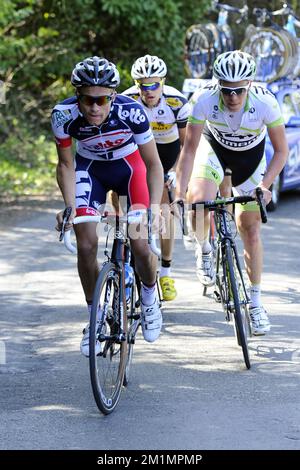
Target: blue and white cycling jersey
{"type": "Point", "coordinates": [125, 128]}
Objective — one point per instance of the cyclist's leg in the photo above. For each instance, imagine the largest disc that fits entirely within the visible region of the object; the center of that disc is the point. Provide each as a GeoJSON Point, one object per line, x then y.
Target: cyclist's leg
{"type": "Point", "coordinates": [136, 190]}
{"type": "Point", "coordinates": [168, 154]}
{"type": "Point", "coordinates": [207, 175]}
{"type": "Point", "coordinates": [249, 225]}
{"type": "Point", "coordinates": [90, 195]}
{"type": "Point", "coordinates": [167, 246]}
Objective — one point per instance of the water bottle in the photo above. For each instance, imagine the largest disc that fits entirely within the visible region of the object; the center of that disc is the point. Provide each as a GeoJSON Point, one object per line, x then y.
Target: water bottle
{"type": "Point", "coordinates": [128, 280]}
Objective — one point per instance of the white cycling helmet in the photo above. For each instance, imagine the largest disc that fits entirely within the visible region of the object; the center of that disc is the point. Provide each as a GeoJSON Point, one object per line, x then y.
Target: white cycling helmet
{"type": "Point", "coordinates": [95, 71]}
{"type": "Point", "coordinates": [148, 66]}
{"type": "Point", "coordinates": [234, 66]}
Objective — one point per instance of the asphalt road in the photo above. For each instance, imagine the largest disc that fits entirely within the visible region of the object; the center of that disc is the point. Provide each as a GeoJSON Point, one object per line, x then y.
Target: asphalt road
{"type": "Point", "coordinates": [189, 390]}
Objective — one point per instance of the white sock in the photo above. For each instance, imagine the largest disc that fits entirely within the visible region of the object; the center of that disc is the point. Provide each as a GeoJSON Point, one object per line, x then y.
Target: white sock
{"type": "Point", "coordinates": [148, 294]}
{"type": "Point", "coordinates": [164, 271]}
{"type": "Point", "coordinates": [255, 296]}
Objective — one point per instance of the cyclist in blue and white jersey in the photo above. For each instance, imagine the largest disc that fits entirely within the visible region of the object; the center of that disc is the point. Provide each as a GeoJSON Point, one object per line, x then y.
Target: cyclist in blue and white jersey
{"type": "Point", "coordinates": [227, 128]}
{"type": "Point", "coordinates": [115, 149]}
{"type": "Point", "coordinates": [168, 111]}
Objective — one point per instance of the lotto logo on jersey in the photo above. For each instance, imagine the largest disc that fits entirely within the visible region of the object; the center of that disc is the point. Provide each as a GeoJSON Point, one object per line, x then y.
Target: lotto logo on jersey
{"type": "Point", "coordinates": [134, 115]}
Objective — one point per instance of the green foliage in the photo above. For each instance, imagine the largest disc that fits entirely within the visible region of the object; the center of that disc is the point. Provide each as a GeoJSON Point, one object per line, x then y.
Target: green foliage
{"type": "Point", "coordinates": [42, 40]}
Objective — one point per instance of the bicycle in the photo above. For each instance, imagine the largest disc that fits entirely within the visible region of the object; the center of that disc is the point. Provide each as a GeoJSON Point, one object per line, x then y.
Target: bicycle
{"type": "Point", "coordinates": [114, 321]}
{"type": "Point", "coordinates": [205, 41]}
{"type": "Point", "coordinates": [275, 47]}
{"type": "Point", "coordinates": [230, 288]}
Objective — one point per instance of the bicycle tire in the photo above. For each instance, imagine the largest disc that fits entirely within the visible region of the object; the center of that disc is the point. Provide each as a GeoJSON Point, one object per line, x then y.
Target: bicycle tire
{"type": "Point", "coordinates": [239, 314]}
{"type": "Point", "coordinates": [108, 367]}
{"type": "Point", "coordinates": [133, 323]}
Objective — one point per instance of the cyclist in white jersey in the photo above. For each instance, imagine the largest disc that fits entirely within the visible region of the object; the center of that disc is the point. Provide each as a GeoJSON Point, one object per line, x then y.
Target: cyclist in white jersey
{"type": "Point", "coordinates": [115, 150]}
{"type": "Point", "coordinates": [168, 111]}
{"type": "Point", "coordinates": [227, 128]}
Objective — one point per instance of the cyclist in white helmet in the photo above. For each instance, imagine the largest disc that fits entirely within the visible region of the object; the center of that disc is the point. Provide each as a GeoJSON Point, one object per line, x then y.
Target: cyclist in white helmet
{"type": "Point", "coordinates": [167, 110]}
{"type": "Point", "coordinates": [227, 128]}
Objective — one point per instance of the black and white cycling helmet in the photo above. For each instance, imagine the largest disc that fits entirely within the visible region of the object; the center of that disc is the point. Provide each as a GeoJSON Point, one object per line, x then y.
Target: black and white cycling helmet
{"type": "Point", "coordinates": [95, 71]}
{"type": "Point", "coordinates": [234, 66]}
{"type": "Point", "coordinates": [148, 66]}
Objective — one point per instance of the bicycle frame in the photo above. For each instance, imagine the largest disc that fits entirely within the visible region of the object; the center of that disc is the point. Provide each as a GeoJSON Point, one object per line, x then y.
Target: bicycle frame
{"type": "Point", "coordinates": [223, 227]}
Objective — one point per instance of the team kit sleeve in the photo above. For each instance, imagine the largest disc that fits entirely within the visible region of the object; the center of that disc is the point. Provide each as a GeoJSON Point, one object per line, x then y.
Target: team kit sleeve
{"type": "Point", "coordinates": [139, 124]}
{"type": "Point", "coordinates": [58, 119]}
{"type": "Point", "coordinates": [273, 115]}
{"type": "Point", "coordinates": [183, 115]}
{"type": "Point", "coordinates": [197, 112]}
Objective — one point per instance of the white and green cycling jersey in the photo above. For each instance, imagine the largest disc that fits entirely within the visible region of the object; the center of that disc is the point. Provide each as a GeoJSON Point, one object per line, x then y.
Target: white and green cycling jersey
{"type": "Point", "coordinates": [236, 131]}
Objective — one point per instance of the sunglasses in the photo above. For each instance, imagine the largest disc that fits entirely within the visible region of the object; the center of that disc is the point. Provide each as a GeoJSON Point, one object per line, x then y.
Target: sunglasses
{"type": "Point", "coordinates": [233, 91]}
{"type": "Point", "coordinates": [99, 100]}
{"type": "Point", "coordinates": [149, 86]}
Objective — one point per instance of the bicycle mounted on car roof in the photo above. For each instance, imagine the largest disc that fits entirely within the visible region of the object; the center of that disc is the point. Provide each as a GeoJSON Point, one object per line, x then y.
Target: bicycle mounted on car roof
{"type": "Point", "coordinates": [205, 41]}
{"type": "Point", "coordinates": [274, 47]}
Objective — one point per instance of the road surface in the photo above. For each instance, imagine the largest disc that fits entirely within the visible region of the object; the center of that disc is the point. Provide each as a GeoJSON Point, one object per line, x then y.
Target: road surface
{"type": "Point", "coordinates": [189, 390]}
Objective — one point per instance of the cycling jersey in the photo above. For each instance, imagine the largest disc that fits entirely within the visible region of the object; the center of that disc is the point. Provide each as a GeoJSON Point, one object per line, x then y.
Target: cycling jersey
{"type": "Point", "coordinates": [171, 113]}
{"type": "Point", "coordinates": [125, 128]}
{"type": "Point", "coordinates": [261, 111]}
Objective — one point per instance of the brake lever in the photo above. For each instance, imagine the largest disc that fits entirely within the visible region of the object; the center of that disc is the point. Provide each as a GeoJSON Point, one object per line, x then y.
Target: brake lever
{"type": "Point", "coordinates": [262, 205]}
{"type": "Point", "coordinates": [66, 216]}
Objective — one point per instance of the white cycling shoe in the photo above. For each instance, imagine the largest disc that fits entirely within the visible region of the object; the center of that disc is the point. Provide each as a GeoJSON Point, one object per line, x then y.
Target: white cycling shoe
{"type": "Point", "coordinates": [260, 323]}
{"type": "Point", "coordinates": [205, 268]}
{"type": "Point", "coordinates": [85, 342]}
{"type": "Point", "coordinates": [151, 319]}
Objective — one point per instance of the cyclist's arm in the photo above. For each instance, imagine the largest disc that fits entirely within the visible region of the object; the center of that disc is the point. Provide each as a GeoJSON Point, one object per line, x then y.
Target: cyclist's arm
{"type": "Point", "coordinates": [182, 132]}
{"type": "Point", "coordinates": [65, 174]}
{"type": "Point", "coordinates": [186, 158]}
{"type": "Point", "coordinates": [155, 175]}
{"type": "Point", "coordinates": [281, 150]}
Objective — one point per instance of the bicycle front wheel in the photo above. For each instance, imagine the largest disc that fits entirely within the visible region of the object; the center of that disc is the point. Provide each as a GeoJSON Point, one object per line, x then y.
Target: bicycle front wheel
{"type": "Point", "coordinates": [108, 321]}
{"type": "Point", "coordinates": [238, 301]}
{"type": "Point", "coordinates": [133, 323]}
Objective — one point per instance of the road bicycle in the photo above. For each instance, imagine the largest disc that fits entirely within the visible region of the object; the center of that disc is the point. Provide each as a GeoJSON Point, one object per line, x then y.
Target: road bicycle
{"type": "Point", "coordinates": [230, 288]}
{"type": "Point", "coordinates": [115, 319]}
{"type": "Point", "coordinates": [205, 41]}
{"type": "Point", "coordinates": [275, 47]}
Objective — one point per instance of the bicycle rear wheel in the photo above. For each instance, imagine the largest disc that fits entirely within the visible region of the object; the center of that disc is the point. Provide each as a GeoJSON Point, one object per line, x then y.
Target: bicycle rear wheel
{"type": "Point", "coordinates": [108, 367]}
{"type": "Point", "coordinates": [238, 301]}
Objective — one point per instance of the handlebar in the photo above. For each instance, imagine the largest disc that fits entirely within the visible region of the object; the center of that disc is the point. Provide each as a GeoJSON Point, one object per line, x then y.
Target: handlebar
{"type": "Point", "coordinates": [111, 219]}
{"type": "Point", "coordinates": [224, 7]}
{"type": "Point", "coordinates": [263, 13]}
{"type": "Point", "coordinates": [215, 203]}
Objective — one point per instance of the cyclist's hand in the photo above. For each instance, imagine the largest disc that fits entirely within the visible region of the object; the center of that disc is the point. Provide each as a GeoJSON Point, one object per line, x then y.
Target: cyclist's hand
{"type": "Point", "coordinates": [171, 181]}
{"type": "Point", "coordinates": [177, 206]}
{"type": "Point", "coordinates": [60, 218]}
{"type": "Point", "coordinates": [266, 193]}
